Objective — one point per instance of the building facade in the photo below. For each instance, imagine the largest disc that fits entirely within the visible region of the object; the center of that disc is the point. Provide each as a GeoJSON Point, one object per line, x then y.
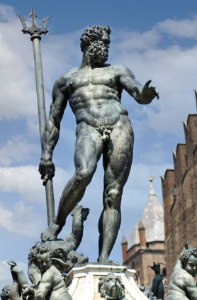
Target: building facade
{"type": "Point", "coordinates": [179, 187]}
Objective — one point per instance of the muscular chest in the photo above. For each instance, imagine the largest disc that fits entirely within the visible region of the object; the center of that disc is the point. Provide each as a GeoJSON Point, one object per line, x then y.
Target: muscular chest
{"type": "Point", "coordinates": [97, 76]}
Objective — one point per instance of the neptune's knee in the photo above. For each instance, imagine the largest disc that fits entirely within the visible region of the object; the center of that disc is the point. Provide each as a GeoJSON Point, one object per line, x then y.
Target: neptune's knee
{"type": "Point", "coordinates": [113, 198]}
{"type": "Point", "coordinates": [84, 176]}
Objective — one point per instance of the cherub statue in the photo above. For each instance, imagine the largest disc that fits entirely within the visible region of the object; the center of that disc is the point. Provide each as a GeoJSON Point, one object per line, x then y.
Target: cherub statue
{"type": "Point", "coordinates": [182, 284]}
{"type": "Point", "coordinates": [60, 253]}
{"type": "Point", "coordinates": [51, 285]}
{"type": "Point", "coordinates": [63, 252]}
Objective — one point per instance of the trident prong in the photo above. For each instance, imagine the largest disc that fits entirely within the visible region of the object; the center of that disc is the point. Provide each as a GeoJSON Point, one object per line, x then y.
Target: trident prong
{"type": "Point", "coordinates": [34, 31]}
{"type": "Point", "coordinates": [45, 20]}
{"type": "Point", "coordinates": [34, 16]}
{"type": "Point", "coordinates": [22, 21]}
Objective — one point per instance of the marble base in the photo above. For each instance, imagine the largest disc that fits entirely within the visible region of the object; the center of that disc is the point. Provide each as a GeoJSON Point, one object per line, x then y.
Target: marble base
{"type": "Point", "coordinates": [82, 282]}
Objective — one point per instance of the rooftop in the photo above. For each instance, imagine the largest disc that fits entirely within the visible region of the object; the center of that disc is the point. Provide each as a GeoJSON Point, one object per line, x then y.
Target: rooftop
{"type": "Point", "coordinates": [152, 219]}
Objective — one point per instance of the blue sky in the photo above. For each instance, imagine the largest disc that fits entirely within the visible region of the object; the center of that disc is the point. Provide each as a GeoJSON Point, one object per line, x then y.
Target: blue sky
{"type": "Point", "coordinates": [157, 40]}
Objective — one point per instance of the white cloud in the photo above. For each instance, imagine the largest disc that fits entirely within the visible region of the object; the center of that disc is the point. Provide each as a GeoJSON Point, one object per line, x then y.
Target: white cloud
{"type": "Point", "coordinates": [22, 220]}
{"type": "Point", "coordinates": [60, 53]}
{"type": "Point", "coordinates": [17, 149]}
{"type": "Point", "coordinates": [18, 92]}
{"type": "Point", "coordinates": [24, 180]}
{"type": "Point", "coordinates": [17, 85]}
{"type": "Point", "coordinates": [172, 71]}
{"type": "Point", "coordinates": [32, 127]}
{"type": "Point", "coordinates": [131, 41]}
{"type": "Point", "coordinates": [5, 275]}
{"type": "Point", "coordinates": [155, 155]}
{"type": "Point", "coordinates": [24, 183]}
{"type": "Point", "coordinates": [186, 28]}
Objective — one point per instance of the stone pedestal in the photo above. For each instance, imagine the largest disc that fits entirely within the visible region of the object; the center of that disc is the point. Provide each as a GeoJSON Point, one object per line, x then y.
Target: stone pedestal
{"type": "Point", "coordinates": [83, 281]}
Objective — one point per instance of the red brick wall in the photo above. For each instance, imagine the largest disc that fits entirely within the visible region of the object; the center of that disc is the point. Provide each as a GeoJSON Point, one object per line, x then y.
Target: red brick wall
{"type": "Point", "coordinates": [180, 214]}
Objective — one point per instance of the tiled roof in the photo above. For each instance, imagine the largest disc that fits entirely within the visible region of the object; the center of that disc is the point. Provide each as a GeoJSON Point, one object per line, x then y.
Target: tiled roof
{"type": "Point", "coordinates": [152, 219]}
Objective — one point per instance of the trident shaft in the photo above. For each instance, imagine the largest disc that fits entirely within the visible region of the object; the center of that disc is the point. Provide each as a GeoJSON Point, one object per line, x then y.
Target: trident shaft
{"type": "Point", "coordinates": [36, 33]}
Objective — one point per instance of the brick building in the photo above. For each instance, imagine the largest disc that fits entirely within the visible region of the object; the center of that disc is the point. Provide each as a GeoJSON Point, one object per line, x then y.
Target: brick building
{"type": "Point", "coordinates": [179, 187]}
{"type": "Point", "coordinates": [146, 242]}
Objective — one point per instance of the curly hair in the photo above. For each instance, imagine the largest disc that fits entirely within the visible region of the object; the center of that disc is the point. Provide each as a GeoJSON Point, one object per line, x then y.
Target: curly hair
{"type": "Point", "coordinates": [184, 257]}
{"type": "Point", "coordinates": [92, 34]}
{"type": "Point", "coordinates": [36, 251]}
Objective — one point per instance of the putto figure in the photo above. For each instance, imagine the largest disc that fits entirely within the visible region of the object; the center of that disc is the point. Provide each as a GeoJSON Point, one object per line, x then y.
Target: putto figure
{"type": "Point", "coordinates": [51, 285]}
{"type": "Point", "coordinates": [63, 252]}
{"type": "Point", "coordinates": [182, 284]}
{"type": "Point", "coordinates": [94, 92]}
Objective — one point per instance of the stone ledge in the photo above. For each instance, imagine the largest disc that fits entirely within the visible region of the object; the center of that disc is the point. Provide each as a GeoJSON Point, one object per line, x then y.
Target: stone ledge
{"type": "Point", "coordinates": [83, 281]}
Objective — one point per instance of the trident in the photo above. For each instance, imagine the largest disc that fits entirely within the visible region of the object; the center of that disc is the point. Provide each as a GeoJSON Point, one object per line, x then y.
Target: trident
{"type": "Point", "coordinates": [35, 33]}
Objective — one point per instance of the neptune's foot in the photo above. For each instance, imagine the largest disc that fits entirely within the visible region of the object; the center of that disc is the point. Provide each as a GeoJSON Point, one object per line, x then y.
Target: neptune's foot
{"type": "Point", "coordinates": [50, 233]}
{"type": "Point", "coordinates": [104, 260]}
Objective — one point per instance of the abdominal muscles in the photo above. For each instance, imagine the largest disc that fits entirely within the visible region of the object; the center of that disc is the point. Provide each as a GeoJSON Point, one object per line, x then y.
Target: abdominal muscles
{"type": "Point", "coordinates": [100, 112]}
